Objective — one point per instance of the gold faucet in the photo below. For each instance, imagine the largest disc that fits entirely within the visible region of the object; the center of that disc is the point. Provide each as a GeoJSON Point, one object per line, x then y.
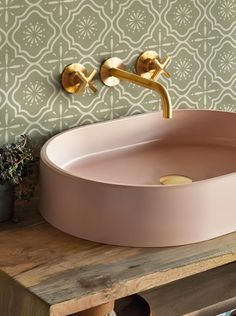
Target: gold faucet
{"type": "Point", "coordinates": [112, 72]}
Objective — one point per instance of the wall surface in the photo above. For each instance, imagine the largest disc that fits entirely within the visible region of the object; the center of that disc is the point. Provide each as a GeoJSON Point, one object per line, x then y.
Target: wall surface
{"type": "Point", "coordinates": [39, 37]}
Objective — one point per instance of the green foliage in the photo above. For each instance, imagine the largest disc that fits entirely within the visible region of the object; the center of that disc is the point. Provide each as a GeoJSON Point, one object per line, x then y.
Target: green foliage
{"type": "Point", "coordinates": [14, 160]}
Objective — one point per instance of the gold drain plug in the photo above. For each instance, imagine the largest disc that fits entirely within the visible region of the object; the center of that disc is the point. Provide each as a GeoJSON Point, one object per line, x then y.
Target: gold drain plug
{"type": "Point", "coordinates": [175, 179]}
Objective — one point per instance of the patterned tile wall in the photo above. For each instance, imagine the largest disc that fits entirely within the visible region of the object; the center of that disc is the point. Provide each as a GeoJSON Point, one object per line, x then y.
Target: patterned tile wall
{"type": "Point", "coordinates": [39, 37]}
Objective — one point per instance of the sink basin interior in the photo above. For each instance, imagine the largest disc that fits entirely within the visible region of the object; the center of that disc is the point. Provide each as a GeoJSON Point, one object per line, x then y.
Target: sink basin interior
{"type": "Point", "coordinates": [191, 144]}
{"type": "Point", "coordinates": [145, 164]}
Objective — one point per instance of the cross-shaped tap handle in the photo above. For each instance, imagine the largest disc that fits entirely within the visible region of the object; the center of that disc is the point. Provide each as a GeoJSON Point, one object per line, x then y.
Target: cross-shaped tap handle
{"type": "Point", "coordinates": [84, 82]}
{"type": "Point", "coordinates": [150, 66]}
{"type": "Point", "coordinates": [159, 67]}
{"type": "Point", "coordinates": [75, 79]}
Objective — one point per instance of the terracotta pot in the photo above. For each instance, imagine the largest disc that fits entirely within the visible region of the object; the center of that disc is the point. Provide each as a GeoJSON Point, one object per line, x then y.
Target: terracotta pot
{"type": "Point", "coordinates": [6, 202]}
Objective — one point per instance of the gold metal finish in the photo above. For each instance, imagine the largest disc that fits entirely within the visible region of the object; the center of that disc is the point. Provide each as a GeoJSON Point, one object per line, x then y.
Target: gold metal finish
{"type": "Point", "coordinates": [175, 179]}
{"type": "Point", "coordinates": [108, 72]}
{"type": "Point", "coordinates": [105, 75]}
{"type": "Point", "coordinates": [75, 79]}
{"type": "Point", "coordinates": [150, 66]}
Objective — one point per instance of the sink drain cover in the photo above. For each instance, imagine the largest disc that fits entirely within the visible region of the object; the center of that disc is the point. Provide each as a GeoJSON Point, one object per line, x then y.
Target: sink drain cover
{"type": "Point", "coordinates": [175, 179]}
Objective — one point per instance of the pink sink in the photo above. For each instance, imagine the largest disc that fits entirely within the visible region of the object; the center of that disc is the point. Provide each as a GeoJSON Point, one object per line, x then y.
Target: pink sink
{"type": "Point", "coordinates": [102, 182]}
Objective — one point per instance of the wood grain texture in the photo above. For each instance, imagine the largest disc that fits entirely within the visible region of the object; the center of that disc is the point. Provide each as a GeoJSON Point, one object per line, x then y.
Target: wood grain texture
{"type": "Point", "coordinates": [16, 300]}
{"type": "Point", "coordinates": [71, 274]}
{"type": "Point", "coordinates": [101, 310]}
{"type": "Point", "coordinates": [207, 294]}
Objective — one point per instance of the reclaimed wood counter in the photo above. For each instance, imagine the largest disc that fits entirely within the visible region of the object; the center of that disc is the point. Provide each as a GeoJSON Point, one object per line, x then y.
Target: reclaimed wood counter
{"type": "Point", "coordinates": [46, 272]}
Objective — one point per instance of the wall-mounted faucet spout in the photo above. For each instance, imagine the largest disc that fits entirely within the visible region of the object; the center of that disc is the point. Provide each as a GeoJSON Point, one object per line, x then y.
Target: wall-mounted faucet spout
{"type": "Point", "coordinates": [111, 72]}
{"type": "Point", "coordinates": [149, 84]}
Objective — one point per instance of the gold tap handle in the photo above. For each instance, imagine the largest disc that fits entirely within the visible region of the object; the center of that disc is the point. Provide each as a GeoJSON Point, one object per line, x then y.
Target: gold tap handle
{"type": "Point", "coordinates": [90, 83]}
{"type": "Point", "coordinates": [78, 80]}
{"type": "Point", "coordinates": [160, 68]}
{"type": "Point", "coordinates": [75, 79]}
{"type": "Point", "coordinates": [85, 81]}
{"type": "Point", "coordinates": [150, 66]}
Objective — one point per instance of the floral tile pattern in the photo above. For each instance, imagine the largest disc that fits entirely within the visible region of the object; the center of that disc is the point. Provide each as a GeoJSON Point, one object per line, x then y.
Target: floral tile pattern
{"type": "Point", "coordinates": [205, 38]}
{"type": "Point", "coordinates": [11, 66]}
{"type": "Point", "coordinates": [9, 10]}
{"type": "Point", "coordinates": [88, 27]}
{"type": "Point", "coordinates": [182, 17]}
{"type": "Point", "coordinates": [38, 38]}
{"type": "Point", "coordinates": [204, 92]}
{"type": "Point", "coordinates": [31, 94]}
{"type": "Point", "coordinates": [34, 34]}
{"type": "Point", "coordinates": [185, 68]}
{"type": "Point", "coordinates": [224, 62]}
{"type": "Point", "coordinates": [134, 23]}
{"type": "Point", "coordinates": [223, 14]}
{"type": "Point", "coordinates": [62, 115]}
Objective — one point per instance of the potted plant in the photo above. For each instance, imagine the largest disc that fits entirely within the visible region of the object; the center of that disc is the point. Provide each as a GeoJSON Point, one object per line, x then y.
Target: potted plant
{"type": "Point", "coordinates": [14, 159]}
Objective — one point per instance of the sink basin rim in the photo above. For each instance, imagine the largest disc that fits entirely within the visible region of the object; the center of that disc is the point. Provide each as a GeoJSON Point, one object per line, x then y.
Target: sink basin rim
{"type": "Point", "coordinates": [61, 170]}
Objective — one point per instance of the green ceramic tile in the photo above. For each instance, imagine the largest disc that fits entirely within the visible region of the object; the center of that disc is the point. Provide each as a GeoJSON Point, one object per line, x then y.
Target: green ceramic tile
{"type": "Point", "coordinates": [33, 33]}
{"type": "Point", "coordinates": [185, 68]}
{"type": "Point", "coordinates": [60, 55]}
{"type": "Point", "coordinates": [87, 27]}
{"type": "Point", "coordinates": [38, 38]}
{"type": "Point", "coordinates": [223, 12]}
{"type": "Point", "coordinates": [182, 17]}
{"type": "Point", "coordinates": [224, 62]}
{"type": "Point", "coordinates": [2, 117]}
{"type": "Point", "coordinates": [226, 102]}
{"type": "Point", "coordinates": [11, 66]}
{"type": "Point", "coordinates": [60, 10]}
{"type": "Point", "coordinates": [205, 91]}
{"type": "Point", "coordinates": [134, 22]}
{"type": "Point", "coordinates": [32, 94]}
{"type": "Point", "coordinates": [9, 11]}
{"type": "Point", "coordinates": [14, 124]}
{"type": "Point", "coordinates": [61, 115]}
{"type": "Point", "coordinates": [205, 38]}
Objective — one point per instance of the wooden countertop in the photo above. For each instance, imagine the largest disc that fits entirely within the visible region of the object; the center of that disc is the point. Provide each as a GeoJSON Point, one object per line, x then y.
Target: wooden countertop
{"type": "Point", "coordinates": [64, 274]}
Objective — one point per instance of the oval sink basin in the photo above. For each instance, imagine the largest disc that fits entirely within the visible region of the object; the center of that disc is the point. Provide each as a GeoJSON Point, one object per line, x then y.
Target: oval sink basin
{"type": "Point", "coordinates": [122, 182]}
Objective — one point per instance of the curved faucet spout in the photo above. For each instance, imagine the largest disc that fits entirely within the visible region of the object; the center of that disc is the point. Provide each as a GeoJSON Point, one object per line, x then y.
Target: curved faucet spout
{"type": "Point", "coordinates": [146, 83]}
